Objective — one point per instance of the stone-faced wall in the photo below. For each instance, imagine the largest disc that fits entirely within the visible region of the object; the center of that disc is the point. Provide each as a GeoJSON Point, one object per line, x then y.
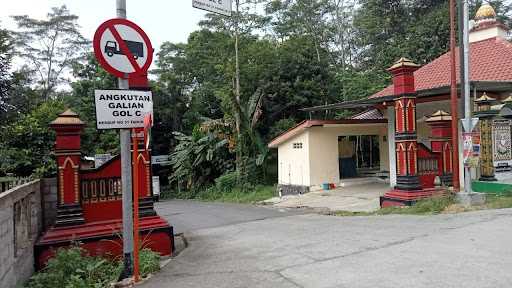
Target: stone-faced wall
{"type": "Point", "coordinates": [21, 222]}
{"type": "Point", "coordinates": [49, 192]}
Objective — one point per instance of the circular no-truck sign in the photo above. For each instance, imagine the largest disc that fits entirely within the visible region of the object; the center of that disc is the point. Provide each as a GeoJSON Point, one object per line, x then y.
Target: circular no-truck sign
{"type": "Point", "coordinates": [122, 48]}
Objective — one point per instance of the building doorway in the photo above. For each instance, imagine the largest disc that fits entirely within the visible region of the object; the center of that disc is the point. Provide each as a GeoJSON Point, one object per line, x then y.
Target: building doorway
{"type": "Point", "coordinates": [359, 156]}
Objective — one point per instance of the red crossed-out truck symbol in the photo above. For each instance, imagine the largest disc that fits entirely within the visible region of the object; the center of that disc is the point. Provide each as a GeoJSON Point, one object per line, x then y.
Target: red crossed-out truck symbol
{"type": "Point", "coordinates": [136, 48]}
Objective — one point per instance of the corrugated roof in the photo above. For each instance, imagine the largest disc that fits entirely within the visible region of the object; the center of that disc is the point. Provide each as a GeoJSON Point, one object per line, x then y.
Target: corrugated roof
{"type": "Point", "coordinates": [368, 114]}
{"type": "Point", "coordinates": [490, 60]}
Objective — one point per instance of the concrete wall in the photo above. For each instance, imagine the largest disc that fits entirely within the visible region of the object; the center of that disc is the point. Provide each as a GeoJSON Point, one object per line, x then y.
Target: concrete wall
{"type": "Point", "coordinates": [293, 163]}
{"type": "Point", "coordinates": [49, 192]}
{"type": "Point", "coordinates": [21, 222]}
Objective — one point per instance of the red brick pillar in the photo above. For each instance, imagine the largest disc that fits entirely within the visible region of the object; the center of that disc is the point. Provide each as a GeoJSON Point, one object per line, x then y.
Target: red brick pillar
{"type": "Point", "coordinates": [146, 207]}
{"type": "Point", "coordinates": [405, 125]}
{"type": "Point", "coordinates": [68, 129]}
{"type": "Point", "coordinates": [440, 140]}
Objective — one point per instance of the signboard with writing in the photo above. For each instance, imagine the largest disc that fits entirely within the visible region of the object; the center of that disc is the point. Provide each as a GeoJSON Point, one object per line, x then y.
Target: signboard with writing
{"type": "Point", "coordinates": [216, 6]}
{"type": "Point", "coordinates": [122, 108]}
{"type": "Point", "coordinates": [160, 160]}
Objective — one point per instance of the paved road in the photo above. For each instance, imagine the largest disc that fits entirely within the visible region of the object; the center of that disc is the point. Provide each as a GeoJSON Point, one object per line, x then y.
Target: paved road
{"type": "Point", "coordinates": [187, 215]}
{"type": "Point", "coordinates": [461, 250]}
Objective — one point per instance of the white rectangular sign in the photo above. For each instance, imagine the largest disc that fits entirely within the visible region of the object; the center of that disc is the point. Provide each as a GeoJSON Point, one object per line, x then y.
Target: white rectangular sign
{"type": "Point", "coordinates": [122, 108]}
{"type": "Point", "coordinates": [216, 6]}
{"type": "Point", "coordinates": [160, 159]}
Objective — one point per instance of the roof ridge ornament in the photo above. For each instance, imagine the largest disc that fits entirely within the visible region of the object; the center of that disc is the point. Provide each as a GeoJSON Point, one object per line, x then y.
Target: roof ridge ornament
{"type": "Point", "coordinates": [439, 115]}
{"type": "Point", "coordinates": [68, 117]}
{"type": "Point", "coordinates": [485, 12]}
{"type": "Point", "coordinates": [485, 98]}
{"type": "Point", "coordinates": [508, 99]}
{"type": "Point", "coordinates": [403, 62]}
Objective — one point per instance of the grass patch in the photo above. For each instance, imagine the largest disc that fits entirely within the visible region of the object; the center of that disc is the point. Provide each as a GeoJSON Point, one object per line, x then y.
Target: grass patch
{"type": "Point", "coordinates": [429, 206]}
{"type": "Point", "coordinates": [438, 205]}
{"type": "Point", "coordinates": [498, 201]}
{"type": "Point", "coordinates": [250, 194]}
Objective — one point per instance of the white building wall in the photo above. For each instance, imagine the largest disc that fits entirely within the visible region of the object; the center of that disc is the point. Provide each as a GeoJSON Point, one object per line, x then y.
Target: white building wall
{"type": "Point", "coordinates": [391, 147]}
{"type": "Point", "coordinates": [294, 162]}
{"type": "Point", "coordinates": [323, 152]}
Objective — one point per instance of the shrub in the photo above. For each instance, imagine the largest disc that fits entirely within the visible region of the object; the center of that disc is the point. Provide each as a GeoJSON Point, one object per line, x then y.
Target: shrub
{"type": "Point", "coordinates": [226, 182]}
{"type": "Point", "coordinates": [149, 262]}
{"type": "Point", "coordinates": [73, 268]}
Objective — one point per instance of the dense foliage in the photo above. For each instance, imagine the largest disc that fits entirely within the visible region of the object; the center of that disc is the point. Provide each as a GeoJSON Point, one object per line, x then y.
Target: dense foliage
{"type": "Point", "coordinates": [73, 268]}
{"type": "Point", "coordinates": [292, 54]}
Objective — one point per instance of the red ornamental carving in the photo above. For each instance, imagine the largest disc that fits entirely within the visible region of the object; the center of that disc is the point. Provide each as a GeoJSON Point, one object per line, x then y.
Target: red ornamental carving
{"type": "Point", "coordinates": [401, 159]}
{"type": "Point", "coordinates": [412, 156]}
{"type": "Point", "coordinates": [399, 117]}
{"type": "Point", "coordinates": [411, 115]}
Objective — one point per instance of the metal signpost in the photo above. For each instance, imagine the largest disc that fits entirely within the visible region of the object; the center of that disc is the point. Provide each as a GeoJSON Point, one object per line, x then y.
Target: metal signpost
{"type": "Point", "coordinates": [124, 50]}
{"type": "Point", "coordinates": [468, 123]}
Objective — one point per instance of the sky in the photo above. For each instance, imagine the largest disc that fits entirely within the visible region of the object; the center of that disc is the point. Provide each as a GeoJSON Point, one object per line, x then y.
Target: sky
{"type": "Point", "coordinates": [162, 20]}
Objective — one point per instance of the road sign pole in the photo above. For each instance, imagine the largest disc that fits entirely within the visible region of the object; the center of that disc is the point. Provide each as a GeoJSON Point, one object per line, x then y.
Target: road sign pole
{"type": "Point", "coordinates": [126, 176]}
{"type": "Point", "coordinates": [467, 197]}
{"type": "Point", "coordinates": [466, 93]}
{"type": "Point", "coordinates": [135, 205]}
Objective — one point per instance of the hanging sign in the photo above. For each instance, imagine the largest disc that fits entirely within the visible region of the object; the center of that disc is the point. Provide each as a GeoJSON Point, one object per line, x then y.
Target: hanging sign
{"type": "Point", "coordinates": [122, 48]}
{"type": "Point", "coordinates": [222, 7]}
{"type": "Point", "coordinates": [467, 145]}
{"type": "Point", "coordinates": [122, 108]}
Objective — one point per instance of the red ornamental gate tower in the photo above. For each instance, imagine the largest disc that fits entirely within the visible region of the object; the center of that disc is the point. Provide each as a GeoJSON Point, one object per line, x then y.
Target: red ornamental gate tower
{"type": "Point", "coordinates": [89, 207]}
{"type": "Point", "coordinates": [441, 142]}
{"type": "Point", "coordinates": [408, 187]}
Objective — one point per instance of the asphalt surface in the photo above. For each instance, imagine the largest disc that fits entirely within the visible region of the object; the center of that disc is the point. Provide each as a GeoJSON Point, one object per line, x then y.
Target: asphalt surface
{"type": "Point", "coordinates": [451, 250]}
{"type": "Point", "coordinates": [187, 215]}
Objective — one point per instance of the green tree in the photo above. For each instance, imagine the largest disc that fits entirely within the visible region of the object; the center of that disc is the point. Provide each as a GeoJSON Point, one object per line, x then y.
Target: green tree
{"type": "Point", "coordinates": [50, 46]}
{"type": "Point", "coordinates": [5, 63]}
{"type": "Point", "coordinates": [89, 77]}
{"type": "Point", "coordinates": [27, 143]}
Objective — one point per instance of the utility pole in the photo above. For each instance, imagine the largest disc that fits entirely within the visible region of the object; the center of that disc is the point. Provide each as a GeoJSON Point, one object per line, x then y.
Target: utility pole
{"type": "Point", "coordinates": [466, 93]}
{"type": "Point", "coordinates": [468, 197]}
{"type": "Point", "coordinates": [126, 179]}
{"type": "Point", "coordinates": [453, 102]}
{"type": "Point", "coordinates": [238, 116]}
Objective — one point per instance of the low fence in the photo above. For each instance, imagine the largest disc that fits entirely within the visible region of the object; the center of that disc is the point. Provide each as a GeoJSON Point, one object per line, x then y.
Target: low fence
{"type": "Point", "coordinates": [25, 211]}
{"type": "Point", "coordinates": [7, 183]}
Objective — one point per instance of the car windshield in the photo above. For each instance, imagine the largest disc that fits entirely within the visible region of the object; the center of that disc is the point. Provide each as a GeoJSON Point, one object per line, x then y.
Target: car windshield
{"type": "Point", "coordinates": [111, 44]}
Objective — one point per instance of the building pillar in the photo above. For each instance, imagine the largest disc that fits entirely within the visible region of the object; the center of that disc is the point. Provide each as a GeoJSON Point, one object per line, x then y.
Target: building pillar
{"type": "Point", "coordinates": [68, 129]}
{"type": "Point", "coordinates": [391, 146]}
{"type": "Point", "coordinates": [440, 140]}
{"type": "Point", "coordinates": [408, 188]}
{"type": "Point", "coordinates": [406, 145]}
{"type": "Point", "coordinates": [486, 115]}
